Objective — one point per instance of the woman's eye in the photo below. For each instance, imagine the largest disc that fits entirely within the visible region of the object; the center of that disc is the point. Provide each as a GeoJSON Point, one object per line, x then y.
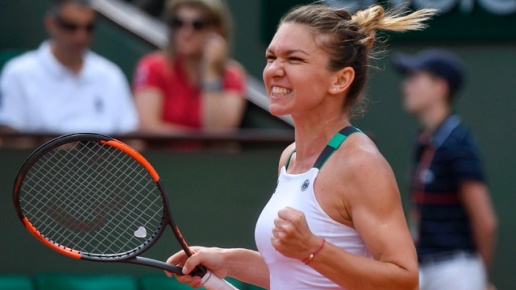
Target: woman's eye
{"type": "Point", "coordinates": [270, 58]}
{"type": "Point", "coordinates": [295, 59]}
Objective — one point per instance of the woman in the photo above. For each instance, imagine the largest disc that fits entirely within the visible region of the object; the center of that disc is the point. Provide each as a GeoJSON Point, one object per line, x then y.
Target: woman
{"type": "Point", "coordinates": [192, 85]}
{"type": "Point", "coordinates": [335, 220]}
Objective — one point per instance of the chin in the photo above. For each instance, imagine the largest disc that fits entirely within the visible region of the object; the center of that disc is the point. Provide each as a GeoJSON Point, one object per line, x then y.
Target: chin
{"type": "Point", "coordinates": [275, 111]}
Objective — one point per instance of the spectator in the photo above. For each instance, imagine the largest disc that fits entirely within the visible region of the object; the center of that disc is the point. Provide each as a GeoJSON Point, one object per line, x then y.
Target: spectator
{"type": "Point", "coordinates": [453, 222]}
{"type": "Point", "coordinates": [63, 87]}
{"type": "Point", "coordinates": [192, 85]}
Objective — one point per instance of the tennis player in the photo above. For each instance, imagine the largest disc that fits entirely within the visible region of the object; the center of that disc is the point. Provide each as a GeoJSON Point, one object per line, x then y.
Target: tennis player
{"type": "Point", "coordinates": [335, 220]}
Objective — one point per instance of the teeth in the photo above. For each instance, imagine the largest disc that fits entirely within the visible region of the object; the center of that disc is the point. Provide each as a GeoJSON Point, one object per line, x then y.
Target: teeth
{"type": "Point", "coordinates": [280, 91]}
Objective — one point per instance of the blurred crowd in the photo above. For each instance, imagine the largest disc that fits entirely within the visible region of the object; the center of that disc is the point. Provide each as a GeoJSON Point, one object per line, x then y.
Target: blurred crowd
{"type": "Point", "coordinates": [192, 85]}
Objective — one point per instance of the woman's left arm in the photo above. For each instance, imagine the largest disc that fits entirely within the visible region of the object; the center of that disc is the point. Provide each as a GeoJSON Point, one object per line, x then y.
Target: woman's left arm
{"type": "Point", "coordinates": [367, 191]}
{"type": "Point", "coordinates": [375, 208]}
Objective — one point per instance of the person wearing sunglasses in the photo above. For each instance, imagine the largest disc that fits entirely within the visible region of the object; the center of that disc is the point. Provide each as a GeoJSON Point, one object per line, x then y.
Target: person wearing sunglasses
{"type": "Point", "coordinates": [63, 87]}
{"type": "Point", "coordinates": [192, 85]}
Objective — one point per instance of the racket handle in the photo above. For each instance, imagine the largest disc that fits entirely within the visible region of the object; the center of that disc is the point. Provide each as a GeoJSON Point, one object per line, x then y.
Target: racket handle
{"type": "Point", "coordinates": [211, 282]}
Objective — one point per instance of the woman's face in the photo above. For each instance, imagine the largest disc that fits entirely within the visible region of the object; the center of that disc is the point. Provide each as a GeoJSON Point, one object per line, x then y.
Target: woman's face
{"type": "Point", "coordinates": [189, 28]}
{"type": "Point", "coordinates": [296, 76]}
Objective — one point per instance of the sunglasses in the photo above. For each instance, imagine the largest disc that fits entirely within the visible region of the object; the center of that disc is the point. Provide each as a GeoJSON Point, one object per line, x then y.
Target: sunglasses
{"type": "Point", "coordinates": [177, 23]}
{"type": "Point", "coordinates": [73, 27]}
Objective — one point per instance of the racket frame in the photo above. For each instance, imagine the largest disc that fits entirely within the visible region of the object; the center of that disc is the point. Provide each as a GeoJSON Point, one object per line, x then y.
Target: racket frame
{"type": "Point", "coordinates": [129, 256]}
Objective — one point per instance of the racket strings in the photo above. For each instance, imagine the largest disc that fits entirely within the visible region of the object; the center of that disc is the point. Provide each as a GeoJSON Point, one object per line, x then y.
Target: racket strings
{"type": "Point", "coordinates": [63, 184]}
{"type": "Point", "coordinates": [93, 198]}
{"type": "Point", "coordinates": [102, 213]}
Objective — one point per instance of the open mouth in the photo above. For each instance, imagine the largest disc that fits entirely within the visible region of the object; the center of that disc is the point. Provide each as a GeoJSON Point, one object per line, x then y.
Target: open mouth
{"type": "Point", "coordinates": [278, 91]}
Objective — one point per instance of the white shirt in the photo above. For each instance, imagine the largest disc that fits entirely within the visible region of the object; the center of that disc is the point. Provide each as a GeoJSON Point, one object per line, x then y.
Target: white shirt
{"type": "Point", "coordinates": [296, 191]}
{"type": "Point", "coordinates": [39, 94]}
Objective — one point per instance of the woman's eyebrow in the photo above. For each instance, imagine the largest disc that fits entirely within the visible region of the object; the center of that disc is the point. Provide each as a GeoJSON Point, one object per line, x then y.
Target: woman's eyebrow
{"type": "Point", "coordinates": [290, 51]}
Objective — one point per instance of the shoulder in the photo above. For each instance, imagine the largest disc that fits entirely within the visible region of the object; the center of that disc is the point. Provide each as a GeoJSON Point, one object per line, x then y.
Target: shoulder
{"type": "Point", "coordinates": [360, 169]}
{"type": "Point", "coordinates": [234, 66]}
{"type": "Point", "coordinates": [464, 134]}
{"type": "Point", "coordinates": [234, 77]}
{"type": "Point", "coordinates": [234, 69]}
{"type": "Point", "coordinates": [285, 155]}
{"type": "Point", "coordinates": [361, 156]}
{"type": "Point", "coordinates": [153, 59]}
{"type": "Point", "coordinates": [102, 64]}
{"type": "Point", "coordinates": [357, 179]}
{"type": "Point", "coordinates": [152, 64]}
{"type": "Point", "coordinates": [461, 138]}
{"type": "Point", "coordinates": [21, 63]}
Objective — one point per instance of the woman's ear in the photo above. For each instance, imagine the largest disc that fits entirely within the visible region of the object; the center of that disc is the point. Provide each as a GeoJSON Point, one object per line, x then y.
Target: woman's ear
{"type": "Point", "coordinates": [343, 80]}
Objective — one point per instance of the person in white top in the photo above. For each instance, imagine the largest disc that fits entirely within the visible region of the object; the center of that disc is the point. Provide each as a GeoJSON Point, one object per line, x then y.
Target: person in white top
{"type": "Point", "coordinates": [335, 220]}
{"type": "Point", "coordinates": [63, 87]}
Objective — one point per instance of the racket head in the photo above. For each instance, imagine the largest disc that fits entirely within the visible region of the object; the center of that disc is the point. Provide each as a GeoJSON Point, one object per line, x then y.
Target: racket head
{"type": "Point", "coordinates": [89, 196]}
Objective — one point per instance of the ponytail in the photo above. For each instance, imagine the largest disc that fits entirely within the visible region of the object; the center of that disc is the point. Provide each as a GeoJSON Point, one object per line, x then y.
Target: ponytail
{"type": "Point", "coordinates": [349, 39]}
{"type": "Point", "coordinates": [376, 18]}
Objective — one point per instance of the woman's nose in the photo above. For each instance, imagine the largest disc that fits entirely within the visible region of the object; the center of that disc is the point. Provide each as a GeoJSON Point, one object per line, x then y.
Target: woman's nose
{"type": "Point", "coordinates": [275, 69]}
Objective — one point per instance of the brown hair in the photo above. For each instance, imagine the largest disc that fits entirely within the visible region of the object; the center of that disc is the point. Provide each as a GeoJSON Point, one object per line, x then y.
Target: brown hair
{"type": "Point", "coordinates": [349, 39]}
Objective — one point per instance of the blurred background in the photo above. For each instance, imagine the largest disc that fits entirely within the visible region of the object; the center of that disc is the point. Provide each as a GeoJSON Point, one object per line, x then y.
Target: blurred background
{"type": "Point", "coordinates": [217, 195]}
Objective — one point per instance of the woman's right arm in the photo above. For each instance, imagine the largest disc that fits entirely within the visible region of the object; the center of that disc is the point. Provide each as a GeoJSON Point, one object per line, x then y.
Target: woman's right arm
{"type": "Point", "coordinates": [243, 264]}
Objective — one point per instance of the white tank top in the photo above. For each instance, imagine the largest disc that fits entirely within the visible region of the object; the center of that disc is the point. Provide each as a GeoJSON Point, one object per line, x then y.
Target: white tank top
{"type": "Point", "coordinates": [296, 191]}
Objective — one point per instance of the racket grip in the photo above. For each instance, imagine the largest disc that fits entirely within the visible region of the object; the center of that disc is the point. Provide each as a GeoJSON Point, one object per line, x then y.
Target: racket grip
{"type": "Point", "coordinates": [211, 282]}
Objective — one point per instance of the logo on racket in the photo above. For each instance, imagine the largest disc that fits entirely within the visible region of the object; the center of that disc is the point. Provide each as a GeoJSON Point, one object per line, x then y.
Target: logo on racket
{"type": "Point", "coordinates": [141, 232]}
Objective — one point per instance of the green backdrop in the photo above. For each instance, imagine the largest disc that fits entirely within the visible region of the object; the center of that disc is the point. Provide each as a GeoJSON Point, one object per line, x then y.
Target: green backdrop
{"type": "Point", "coordinates": [227, 190]}
{"type": "Point", "coordinates": [215, 198]}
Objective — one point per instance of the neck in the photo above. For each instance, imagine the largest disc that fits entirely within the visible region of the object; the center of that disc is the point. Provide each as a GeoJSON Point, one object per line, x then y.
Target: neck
{"type": "Point", "coordinates": [431, 119]}
{"type": "Point", "coordinates": [312, 137]}
{"type": "Point", "coordinates": [72, 62]}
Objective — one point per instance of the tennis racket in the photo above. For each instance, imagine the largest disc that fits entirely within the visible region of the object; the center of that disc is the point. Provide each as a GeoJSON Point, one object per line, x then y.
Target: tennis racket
{"type": "Point", "coordinates": [92, 197]}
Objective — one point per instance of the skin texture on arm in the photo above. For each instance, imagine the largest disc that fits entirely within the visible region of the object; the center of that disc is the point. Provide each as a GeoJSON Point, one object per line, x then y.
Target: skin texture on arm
{"type": "Point", "coordinates": [358, 189]}
{"type": "Point", "coordinates": [477, 202]}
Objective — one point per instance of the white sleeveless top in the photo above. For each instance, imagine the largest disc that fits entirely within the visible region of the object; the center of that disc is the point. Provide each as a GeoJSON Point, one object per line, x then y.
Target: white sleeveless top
{"type": "Point", "coordinates": [296, 191]}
